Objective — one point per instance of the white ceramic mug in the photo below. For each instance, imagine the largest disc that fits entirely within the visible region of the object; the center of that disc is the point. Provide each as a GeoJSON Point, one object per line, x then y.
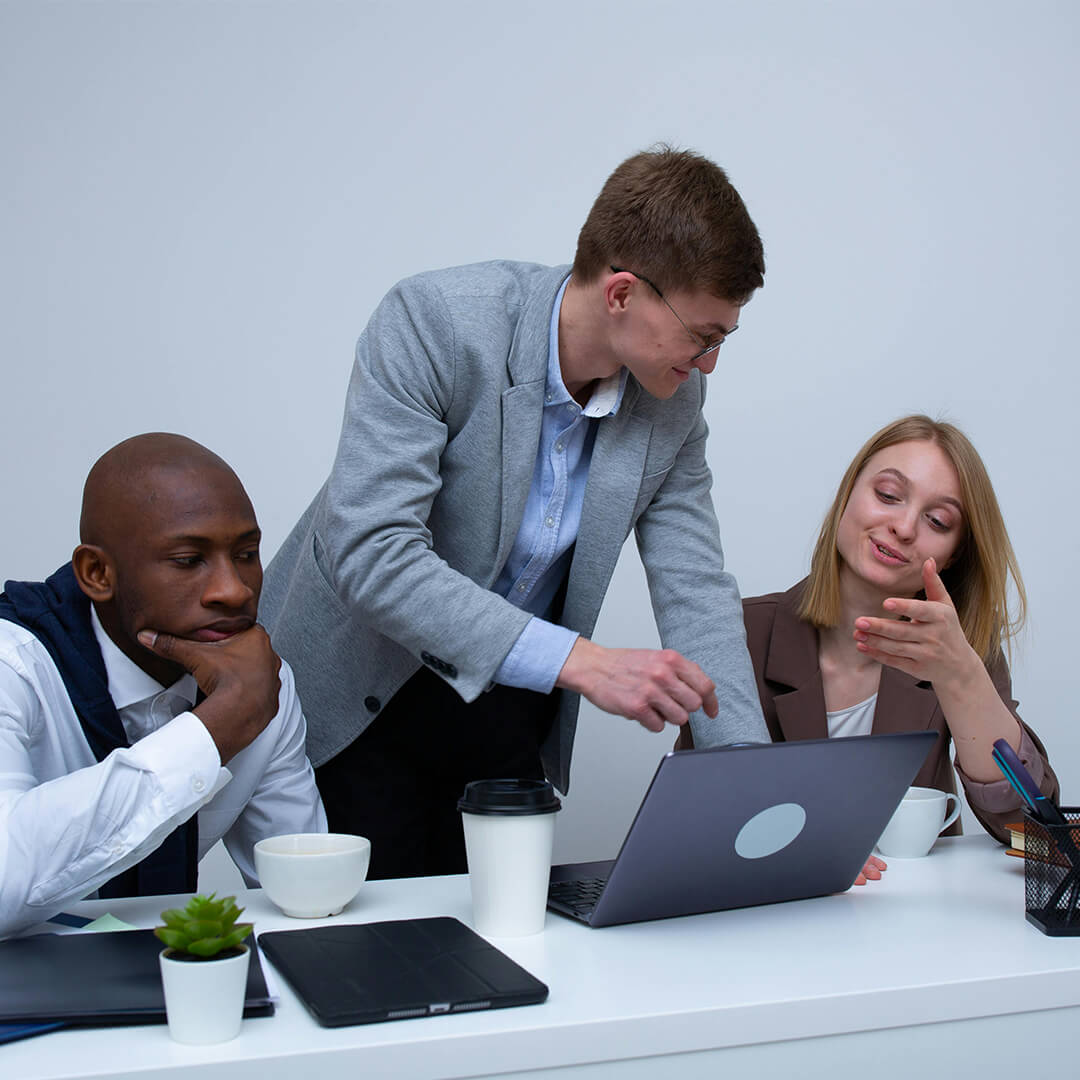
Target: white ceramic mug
{"type": "Point", "coordinates": [917, 822]}
{"type": "Point", "coordinates": [312, 875]}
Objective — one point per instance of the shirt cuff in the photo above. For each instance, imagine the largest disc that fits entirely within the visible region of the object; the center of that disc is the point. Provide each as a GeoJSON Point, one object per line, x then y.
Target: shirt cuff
{"type": "Point", "coordinates": [184, 757]}
{"type": "Point", "coordinates": [998, 796]}
{"type": "Point", "coordinates": [537, 657]}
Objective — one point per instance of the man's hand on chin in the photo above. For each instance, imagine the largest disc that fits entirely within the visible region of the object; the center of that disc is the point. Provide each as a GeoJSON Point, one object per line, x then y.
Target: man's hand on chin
{"type": "Point", "coordinates": [237, 673]}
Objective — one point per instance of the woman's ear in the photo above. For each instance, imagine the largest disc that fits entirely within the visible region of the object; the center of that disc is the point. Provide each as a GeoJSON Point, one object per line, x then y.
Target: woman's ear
{"type": "Point", "coordinates": [95, 573]}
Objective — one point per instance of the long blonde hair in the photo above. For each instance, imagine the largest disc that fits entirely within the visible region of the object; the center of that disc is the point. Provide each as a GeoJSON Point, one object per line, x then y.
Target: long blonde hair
{"type": "Point", "coordinates": [978, 576]}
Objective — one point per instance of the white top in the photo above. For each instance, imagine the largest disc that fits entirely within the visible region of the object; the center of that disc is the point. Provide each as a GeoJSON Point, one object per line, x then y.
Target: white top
{"type": "Point", "coordinates": [938, 948]}
{"type": "Point", "coordinates": [854, 720]}
{"type": "Point", "coordinates": [69, 823]}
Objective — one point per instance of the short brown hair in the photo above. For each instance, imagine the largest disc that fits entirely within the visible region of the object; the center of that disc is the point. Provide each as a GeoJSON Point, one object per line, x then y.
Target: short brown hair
{"type": "Point", "coordinates": [673, 216]}
{"type": "Point", "coordinates": [978, 576]}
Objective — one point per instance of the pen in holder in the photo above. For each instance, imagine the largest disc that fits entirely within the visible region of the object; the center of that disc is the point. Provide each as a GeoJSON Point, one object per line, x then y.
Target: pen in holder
{"type": "Point", "coordinates": [1052, 873]}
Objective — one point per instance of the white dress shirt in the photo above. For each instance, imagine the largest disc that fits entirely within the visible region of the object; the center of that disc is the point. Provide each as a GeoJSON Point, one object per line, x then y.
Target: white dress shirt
{"type": "Point", "coordinates": [69, 823]}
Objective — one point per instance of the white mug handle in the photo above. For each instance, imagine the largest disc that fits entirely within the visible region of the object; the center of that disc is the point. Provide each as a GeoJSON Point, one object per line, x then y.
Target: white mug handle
{"type": "Point", "coordinates": [955, 811]}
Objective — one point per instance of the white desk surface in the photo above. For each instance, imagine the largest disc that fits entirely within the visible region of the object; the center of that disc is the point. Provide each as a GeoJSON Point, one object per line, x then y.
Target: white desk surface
{"type": "Point", "coordinates": [928, 956]}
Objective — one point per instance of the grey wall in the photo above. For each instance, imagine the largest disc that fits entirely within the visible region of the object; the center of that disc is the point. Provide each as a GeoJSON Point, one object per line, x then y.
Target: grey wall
{"type": "Point", "coordinates": [200, 204]}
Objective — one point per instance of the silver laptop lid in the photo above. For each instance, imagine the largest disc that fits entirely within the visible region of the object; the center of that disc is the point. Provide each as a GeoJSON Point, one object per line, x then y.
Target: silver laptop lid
{"type": "Point", "coordinates": [736, 826]}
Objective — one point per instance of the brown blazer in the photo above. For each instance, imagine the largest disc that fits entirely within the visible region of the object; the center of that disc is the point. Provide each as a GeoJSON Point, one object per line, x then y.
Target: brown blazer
{"type": "Point", "coordinates": [784, 651]}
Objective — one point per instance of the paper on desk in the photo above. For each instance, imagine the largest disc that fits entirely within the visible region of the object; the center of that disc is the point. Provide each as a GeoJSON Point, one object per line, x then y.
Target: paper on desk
{"type": "Point", "coordinates": [106, 923]}
{"type": "Point", "coordinates": [269, 973]}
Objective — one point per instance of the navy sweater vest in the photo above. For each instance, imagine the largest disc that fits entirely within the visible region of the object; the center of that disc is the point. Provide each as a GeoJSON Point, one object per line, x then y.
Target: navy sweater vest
{"type": "Point", "coordinates": [57, 613]}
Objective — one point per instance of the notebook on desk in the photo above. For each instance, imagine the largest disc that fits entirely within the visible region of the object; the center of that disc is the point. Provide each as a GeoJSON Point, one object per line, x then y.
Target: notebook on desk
{"type": "Point", "coordinates": [94, 979]}
{"type": "Point", "coordinates": [737, 826]}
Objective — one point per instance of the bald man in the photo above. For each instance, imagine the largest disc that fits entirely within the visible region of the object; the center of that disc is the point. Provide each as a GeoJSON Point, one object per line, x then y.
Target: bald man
{"type": "Point", "coordinates": [143, 713]}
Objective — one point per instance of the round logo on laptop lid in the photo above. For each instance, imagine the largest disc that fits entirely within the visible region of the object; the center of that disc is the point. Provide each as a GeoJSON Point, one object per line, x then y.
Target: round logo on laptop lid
{"type": "Point", "coordinates": [770, 830]}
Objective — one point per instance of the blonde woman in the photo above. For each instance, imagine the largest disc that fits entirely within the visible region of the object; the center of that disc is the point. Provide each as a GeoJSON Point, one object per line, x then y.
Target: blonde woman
{"type": "Point", "coordinates": [902, 622]}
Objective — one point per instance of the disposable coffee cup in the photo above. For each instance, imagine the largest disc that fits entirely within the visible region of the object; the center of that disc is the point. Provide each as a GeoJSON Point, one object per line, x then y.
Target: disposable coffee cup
{"type": "Point", "coordinates": [917, 822]}
{"type": "Point", "coordinates": [509, 829]}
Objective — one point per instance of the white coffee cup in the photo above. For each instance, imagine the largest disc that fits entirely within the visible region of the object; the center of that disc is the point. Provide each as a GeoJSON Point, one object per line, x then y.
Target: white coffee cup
{"type": "Point", "coordinates": [509, 831]}
{"type": "Point", "coordinates": [917, 822]}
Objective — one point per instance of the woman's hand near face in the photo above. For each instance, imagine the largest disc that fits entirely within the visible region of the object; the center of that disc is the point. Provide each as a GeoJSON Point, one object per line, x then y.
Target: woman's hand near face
{"type": "Point", "coordinates": [932, 646]}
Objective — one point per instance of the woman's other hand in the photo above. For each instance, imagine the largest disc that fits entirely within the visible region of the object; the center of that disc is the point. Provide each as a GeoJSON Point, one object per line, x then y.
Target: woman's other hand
{"type": "Point", "coordinates": [871, 871]}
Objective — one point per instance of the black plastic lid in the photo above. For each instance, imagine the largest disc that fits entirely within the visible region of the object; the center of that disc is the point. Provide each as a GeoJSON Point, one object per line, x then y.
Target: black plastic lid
{"type": "Point", "coordinates": [509, 797]}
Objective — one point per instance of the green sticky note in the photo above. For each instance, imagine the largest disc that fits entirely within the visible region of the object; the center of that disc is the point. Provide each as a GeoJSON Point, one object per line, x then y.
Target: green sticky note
{"type": "Point", "coordinates": [108, 922]}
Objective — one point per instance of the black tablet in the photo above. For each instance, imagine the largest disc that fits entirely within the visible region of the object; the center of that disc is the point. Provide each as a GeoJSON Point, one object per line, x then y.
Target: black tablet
{"type": "Point", "coordinates": [400, 970]}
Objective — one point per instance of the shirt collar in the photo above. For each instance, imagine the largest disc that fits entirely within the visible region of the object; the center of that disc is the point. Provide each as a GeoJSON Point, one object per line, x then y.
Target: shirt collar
{"type": "Point", "coordinates": [607, 393]}
{"type": "Point", "coordinates": [128, 683]}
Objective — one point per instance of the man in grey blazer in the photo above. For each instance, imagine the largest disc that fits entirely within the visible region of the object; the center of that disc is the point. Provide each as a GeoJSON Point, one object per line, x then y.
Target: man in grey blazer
{"type": "Point", "coordinates": [506, 426]}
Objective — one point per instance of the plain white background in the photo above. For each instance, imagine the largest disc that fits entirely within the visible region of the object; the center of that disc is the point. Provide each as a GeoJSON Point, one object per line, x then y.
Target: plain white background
{"type": "Point", "coordinates": [202, 202]}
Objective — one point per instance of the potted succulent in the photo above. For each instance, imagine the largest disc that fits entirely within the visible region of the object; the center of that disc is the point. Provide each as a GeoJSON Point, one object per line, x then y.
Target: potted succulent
{"type": "Point", "coordinates": [204, 968]}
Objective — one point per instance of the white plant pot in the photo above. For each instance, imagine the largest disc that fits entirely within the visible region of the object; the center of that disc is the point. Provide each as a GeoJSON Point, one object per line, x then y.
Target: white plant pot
{"type": "Point", "coordinates": [204, 999]}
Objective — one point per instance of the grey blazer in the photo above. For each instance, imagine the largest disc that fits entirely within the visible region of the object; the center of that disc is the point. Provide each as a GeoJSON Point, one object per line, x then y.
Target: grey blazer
{"type": "Point", "coordinates": [391, 565]}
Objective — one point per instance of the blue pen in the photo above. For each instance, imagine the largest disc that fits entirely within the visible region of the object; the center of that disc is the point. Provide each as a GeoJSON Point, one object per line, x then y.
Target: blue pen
{"type": "Point", "coordinates": [1022, 783]}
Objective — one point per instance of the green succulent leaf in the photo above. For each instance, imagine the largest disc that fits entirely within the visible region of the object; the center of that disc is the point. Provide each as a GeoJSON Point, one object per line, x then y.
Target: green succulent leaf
{"type": "Point", "coordinates": [204, 928]}
{"type": "Point", "coordinates": [174, 939]}
{"type": "Point", "coordinates": [239, 933]}
{"type": "Point", "coordinates": [174, 918]}
{"type": "Point", "coordinates": [212, 946]}
{"type": "Point", "coordinates": [206, 946]}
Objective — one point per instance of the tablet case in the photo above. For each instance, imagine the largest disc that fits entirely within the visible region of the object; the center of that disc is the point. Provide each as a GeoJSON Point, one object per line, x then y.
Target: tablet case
{"type": "Point", "coordinates": [400, 970]}
{"type": "Point", "coordinates": [95, 979]}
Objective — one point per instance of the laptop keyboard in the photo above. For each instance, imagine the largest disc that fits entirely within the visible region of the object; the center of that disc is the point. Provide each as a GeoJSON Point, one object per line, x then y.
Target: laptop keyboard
{"type": "Point", "coordinates": [580, 895]}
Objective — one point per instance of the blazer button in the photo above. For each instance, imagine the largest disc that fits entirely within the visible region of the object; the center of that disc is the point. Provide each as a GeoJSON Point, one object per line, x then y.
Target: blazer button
{"type": "Point", "coordinates": [439, 664]}
{"type": "Point", "coordinates": [372, 703]}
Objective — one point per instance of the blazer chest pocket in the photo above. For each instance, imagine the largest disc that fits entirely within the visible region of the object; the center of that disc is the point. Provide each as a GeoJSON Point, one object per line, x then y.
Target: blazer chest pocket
{"type": "Point", "coordinates": [650, 485]}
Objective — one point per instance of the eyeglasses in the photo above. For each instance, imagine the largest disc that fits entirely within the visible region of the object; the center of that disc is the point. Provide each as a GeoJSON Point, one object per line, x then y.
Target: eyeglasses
{"type": "Point", "coordinates": [707, 347]}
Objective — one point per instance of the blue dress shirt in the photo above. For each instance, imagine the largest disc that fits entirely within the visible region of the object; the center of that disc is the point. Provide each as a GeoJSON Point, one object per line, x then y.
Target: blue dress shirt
{"type": "Point", "coordinates": [540, 558]}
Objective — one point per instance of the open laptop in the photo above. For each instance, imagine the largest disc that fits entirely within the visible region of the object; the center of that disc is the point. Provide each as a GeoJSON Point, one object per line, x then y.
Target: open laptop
{"type": "Point", "coordinates": [735, 826]}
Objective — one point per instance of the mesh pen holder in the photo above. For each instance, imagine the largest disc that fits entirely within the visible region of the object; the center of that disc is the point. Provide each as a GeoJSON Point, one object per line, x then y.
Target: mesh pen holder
{"type": "Point", "coordinates": [1052, 873]}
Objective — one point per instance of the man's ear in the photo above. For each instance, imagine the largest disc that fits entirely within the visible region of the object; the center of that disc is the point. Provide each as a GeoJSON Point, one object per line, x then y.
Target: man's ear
{"type": "Point", "coordinates": [95, 573]}
{"type": "Point", "coordinates": [618, 290]}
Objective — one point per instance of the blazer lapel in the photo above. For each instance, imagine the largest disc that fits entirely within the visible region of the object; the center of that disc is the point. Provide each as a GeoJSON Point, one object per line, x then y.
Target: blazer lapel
{"type": "Point", "coordinates": [801, 713]}
{"type": "Point", "coordinates": [523, 409]}
{"type": "Point", "coordinates": [903, 704]}
{"type": "Point", "coordinates": [793, 662]}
